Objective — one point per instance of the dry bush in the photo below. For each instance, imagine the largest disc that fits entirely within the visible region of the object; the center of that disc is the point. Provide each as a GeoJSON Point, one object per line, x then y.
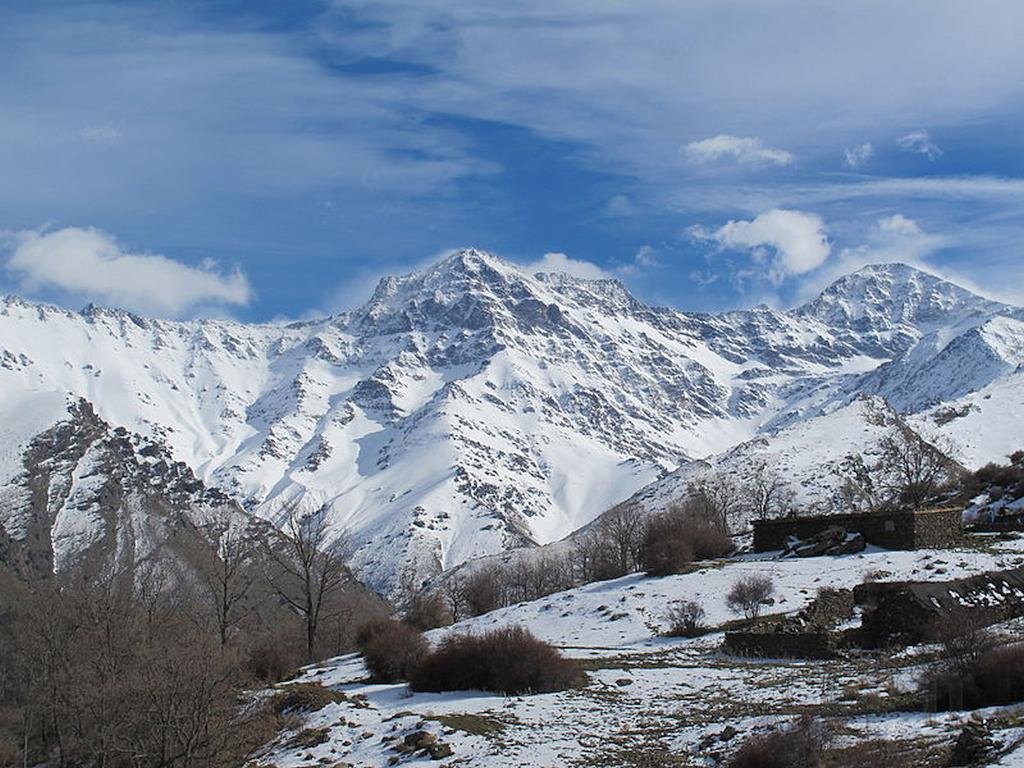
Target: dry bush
{"type": "Point", "coordinates": [994, 678]}
{"type": "Point", "coordinates": [801, 746]}
{"type": "Point", "coordinates": [1008, 478]}
{"type": "Point", "coordinates": [299, 698]}
{"type": "Point", "coordinates": [508, 660]}
{"type": "Point", "coordinates": [392, 649]}
{"type": "Point", "coordinates": [749, 594]}
{"type": "Point", "coordinates": [114, 673]}
{"type": "Point", "coordinates": [664, 555]}
{"type": "Point", "coordinates": [483, 589]}
{"type": "Point", "coordinates": [680, 535]}
{"type": "Point", "coordinates": [274, 656]}
{"type": "Point", "coordinates": [428, 611]}
{"type": "Point", "coordinates": [686, 619]}
{"type": "Point", "coordinates": [708, 542]}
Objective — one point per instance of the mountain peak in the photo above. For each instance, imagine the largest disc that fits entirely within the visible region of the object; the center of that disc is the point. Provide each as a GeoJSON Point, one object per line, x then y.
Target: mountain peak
{"type": "Point", "coordinates": [878, 296]}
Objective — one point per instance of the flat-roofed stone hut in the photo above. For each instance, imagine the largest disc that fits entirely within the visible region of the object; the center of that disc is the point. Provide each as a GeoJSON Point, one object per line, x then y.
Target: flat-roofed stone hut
{"type": "Point", "coordinates": [905, 529]}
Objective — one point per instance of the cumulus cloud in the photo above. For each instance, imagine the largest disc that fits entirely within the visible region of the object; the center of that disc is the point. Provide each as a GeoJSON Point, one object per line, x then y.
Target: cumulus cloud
{"type": "Point", "coordinates": [920, 143]}
{"type": "Point", "coordinates": [559, 262]}
{"type": "Point", "coordinates": [90, 263]}
{"type": "Point", "coordinates": [855, 157]}
{"type": "Point", "coordinates": [745, 151]}
{"type": "Point", "coordinates": [786, 242]}
{"type": "Point", "coordinates": [894, 238]}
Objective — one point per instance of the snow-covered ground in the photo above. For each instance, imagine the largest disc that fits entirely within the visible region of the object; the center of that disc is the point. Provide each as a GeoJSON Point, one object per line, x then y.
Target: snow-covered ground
{"type": "Point", "coordinates": [649, 696]}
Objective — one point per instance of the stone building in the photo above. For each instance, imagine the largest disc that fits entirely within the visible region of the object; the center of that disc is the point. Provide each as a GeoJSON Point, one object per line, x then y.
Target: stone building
{"type": "Point", "coordinates": [916, 611]}
{"type": "Point", "coordinates": [905, 529]}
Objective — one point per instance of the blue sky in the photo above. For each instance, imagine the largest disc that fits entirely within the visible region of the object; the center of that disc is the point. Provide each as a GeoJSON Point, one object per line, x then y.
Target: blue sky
{"type": "Point", "coordinates": [273, 159]}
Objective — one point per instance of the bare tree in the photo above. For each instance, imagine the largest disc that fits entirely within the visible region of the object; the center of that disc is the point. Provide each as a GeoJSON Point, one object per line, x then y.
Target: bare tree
{"type": "Point", "coordinates": [454, 590]}
{"type": "Point", "coordinates": [586, 556]}
{"type": "Point", "coordinates": [484, 589]}
{"type": "Point", "coordinates": [914, 469]}
{"type": "Point", "coordinates": [717, 498]}
{"type": "Point", "coordinates": [228, 578]}
{"type": "Point", "coordinates": [309, 569]}
{"type": "Point", "coordinates": [770, 494]}
{"type": "Point", "coordinates": [908, 471]}
{"type": "Point", "coordinates": [621, 532]}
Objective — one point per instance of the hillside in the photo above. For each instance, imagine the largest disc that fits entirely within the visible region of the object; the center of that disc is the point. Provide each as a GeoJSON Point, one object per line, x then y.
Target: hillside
{"type": "Point", "coordinates": [472, 407]}
{"type": "Point", "coordinates": [660, 701]}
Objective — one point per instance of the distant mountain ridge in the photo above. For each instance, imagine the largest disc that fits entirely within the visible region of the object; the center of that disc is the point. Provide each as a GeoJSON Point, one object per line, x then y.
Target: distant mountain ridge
{"type": "Point", "coordinates": [472, 406]}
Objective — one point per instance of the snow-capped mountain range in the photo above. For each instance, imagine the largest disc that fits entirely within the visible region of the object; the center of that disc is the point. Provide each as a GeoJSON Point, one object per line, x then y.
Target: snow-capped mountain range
{"type": "Point", "coordinates": [472, 406]}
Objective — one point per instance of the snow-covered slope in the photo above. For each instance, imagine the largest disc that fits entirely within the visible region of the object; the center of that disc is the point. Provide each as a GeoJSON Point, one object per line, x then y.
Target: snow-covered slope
{"type": "Point", "coordinates": [652, 700]}
{"type": "Point", "coordinates": [808, 456]}
{"type": "Point", "coordinates": [472, 406]}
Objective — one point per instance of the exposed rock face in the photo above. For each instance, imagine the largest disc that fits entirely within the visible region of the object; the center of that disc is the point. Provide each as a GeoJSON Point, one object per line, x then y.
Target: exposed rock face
{"type": "Point", "coordinates": [472, 407]}
{"type": "Point", "coordinates": [94, 497]}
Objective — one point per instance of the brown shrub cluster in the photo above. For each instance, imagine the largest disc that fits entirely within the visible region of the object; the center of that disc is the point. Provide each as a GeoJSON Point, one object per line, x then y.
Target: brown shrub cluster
{"type": "Point", "coordinates": [392, 649]}
{"type": "Point", "coordinates": [802, 745]}
{"type": "Point", "coordinates": [686, 619]}
{"type": "Point", "coordinates": [508, 660]}
{"type": "Point", "coordinates": [622, 541]}
{"type": "Point", "coordinates": [994, 677]}
{"type": "Point", "coordinates": [675, 538]}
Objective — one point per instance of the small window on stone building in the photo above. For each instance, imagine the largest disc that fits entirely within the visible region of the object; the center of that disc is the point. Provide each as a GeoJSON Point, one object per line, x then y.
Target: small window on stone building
{"type": "Point", "coordinates": [890, 526]}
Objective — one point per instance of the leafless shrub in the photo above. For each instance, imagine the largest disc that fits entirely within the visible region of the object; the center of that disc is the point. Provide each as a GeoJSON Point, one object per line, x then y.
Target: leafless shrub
{"type": "Point", "coordinates": [749, 594]}
{"type": "Point", "coordinates": [994, 678]}
{"type": "Point", "coordinates": [686, 619]}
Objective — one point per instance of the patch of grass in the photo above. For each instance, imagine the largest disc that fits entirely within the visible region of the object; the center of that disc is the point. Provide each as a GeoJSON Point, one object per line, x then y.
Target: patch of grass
{"type": "Point", "coordinates": [309, 737]}
{"type": "Point", "coordinates": [304, 697]}
{"type": "Point", "coordinates": [476, 725]}
{"type": "Point", "coordinates": [746, 624]}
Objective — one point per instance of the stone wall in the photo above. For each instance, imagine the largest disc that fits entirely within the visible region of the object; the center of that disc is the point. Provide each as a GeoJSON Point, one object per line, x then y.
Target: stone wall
{"type": "Point", "coordinates": [893, 530]}
{"type": "Point", "coordinates": [807, 635]}
{"type": "Point", "coordinates": [812, 644]}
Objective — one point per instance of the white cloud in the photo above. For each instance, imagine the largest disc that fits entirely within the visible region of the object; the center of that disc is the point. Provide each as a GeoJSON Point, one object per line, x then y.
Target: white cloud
{"type": "Point", "coordinates": [786, 242]}
{"type": "Point", "coordinates": [858, 155]}
{"type": "Point", "coordinates": [559, 262]}
{"type": "Point", "coordinates": [644, 260]}
{"type": "Point", "coordinates": [90, 263]}
{"type": "Point", "coordinates": [920, 143]}
{"type": "Point", "coordinates": [745, 151]}
{"type": "Point", "coordinates": [619, 206]}
{"type": "Point", "coordinates": [894, 238]}
{"type": "Point", "coordinates": [101, 134]}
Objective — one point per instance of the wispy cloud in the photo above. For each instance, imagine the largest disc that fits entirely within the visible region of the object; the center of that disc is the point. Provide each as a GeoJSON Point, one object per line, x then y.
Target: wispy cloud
{"type": "Point", "coordinates": [91, 264]}
{"type": "Point", "coordinates": [919, 142]}
{"type": "Point", "coordinates": [101, 134]}
{"type": "Point", "coordinates": [745, 151]}
{"type": "Point", "coordinates": [620, 206]}
{"type": "Point", "coordinates": [856, 156]}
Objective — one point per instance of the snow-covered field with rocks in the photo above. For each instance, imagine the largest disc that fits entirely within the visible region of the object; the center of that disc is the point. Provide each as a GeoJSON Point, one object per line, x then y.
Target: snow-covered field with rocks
{"type": "Point", "coordinates": [651, 700]}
